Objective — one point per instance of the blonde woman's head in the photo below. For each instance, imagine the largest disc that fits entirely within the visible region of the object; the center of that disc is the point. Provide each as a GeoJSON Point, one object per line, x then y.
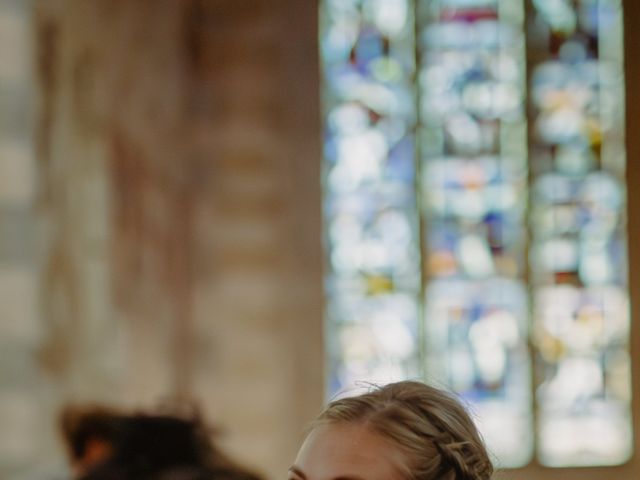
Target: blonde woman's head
{"type": "Point", "coordinates": [403, 431]}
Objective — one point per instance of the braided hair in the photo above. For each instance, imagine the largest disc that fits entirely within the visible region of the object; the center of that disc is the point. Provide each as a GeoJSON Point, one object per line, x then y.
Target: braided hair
{"type": "Point", "coordinates": [430, 427]}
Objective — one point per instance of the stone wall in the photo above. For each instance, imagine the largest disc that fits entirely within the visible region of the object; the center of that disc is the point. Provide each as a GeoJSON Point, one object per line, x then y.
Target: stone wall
{"type": "Point", "coordinates": [21, 382]}
{"type": "Point", "coordinates": [177, 197]}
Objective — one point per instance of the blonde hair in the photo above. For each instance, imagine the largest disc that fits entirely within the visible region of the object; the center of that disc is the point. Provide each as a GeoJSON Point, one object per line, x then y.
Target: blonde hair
{"type": "Point", "coordinates": [432, 429]}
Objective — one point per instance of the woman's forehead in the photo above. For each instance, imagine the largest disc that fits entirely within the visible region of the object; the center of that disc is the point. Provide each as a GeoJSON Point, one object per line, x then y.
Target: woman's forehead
{"type": "Point", "coordinates": [348, 450]}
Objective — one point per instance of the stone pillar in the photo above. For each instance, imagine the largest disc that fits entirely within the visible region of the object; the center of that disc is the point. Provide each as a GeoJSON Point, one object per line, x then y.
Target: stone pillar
{"type": "Point", "coordinates": [255, 131]}
{"type": "Point", "coordinates": [24, 413]}
{"type": "Point", "coordinates": [110, 115]}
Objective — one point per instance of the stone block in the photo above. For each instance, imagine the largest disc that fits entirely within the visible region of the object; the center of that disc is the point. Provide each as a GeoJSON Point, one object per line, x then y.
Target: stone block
{"type": "Point", "coordinates": [17, 173]}
{"type": "Point", "coordinates": [19, 321]}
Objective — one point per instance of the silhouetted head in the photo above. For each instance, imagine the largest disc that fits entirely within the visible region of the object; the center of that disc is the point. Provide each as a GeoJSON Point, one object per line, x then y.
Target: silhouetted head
{"type": "Point", "coordinates": [165, 447]}
{"type": "Point", "coordinates": [89, 434]}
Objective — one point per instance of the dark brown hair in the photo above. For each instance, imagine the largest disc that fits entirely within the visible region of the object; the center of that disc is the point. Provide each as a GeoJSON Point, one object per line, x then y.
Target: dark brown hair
{"type": "Point", "coordinates": [80, 425]}
{"type": "Point", "coordinates": [149, 446]}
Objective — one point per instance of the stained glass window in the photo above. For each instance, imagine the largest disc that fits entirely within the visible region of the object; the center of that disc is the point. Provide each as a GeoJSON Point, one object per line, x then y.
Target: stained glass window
{"type": "Point", "coordinates": [371, 211]}
{"type": "Point", "coordinates": [578, 251]}
{"type": "Point", "coordinates": [475, 214]}
{"type": "Point", "coordinates": [474, 184]}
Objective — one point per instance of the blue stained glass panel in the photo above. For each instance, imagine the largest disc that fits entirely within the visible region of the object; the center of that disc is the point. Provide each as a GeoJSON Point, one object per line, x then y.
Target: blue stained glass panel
{"type": "Point", "coordinates": [473, 184]}
{"type": "Point", "coordinates": [370, 202]}
{"type": "Point", "coordinates": [578, 253]}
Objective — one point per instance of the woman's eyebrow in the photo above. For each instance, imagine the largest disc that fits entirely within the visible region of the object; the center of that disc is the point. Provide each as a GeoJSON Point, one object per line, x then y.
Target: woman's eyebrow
{"type": "Point", "coordinates": [297, 472]}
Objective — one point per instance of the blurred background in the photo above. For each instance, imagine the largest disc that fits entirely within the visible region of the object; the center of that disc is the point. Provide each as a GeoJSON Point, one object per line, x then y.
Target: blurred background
{"type": "Point", "coordinates": [160, 217]}
{"type": "Point", "coordinates": [251, 206]}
